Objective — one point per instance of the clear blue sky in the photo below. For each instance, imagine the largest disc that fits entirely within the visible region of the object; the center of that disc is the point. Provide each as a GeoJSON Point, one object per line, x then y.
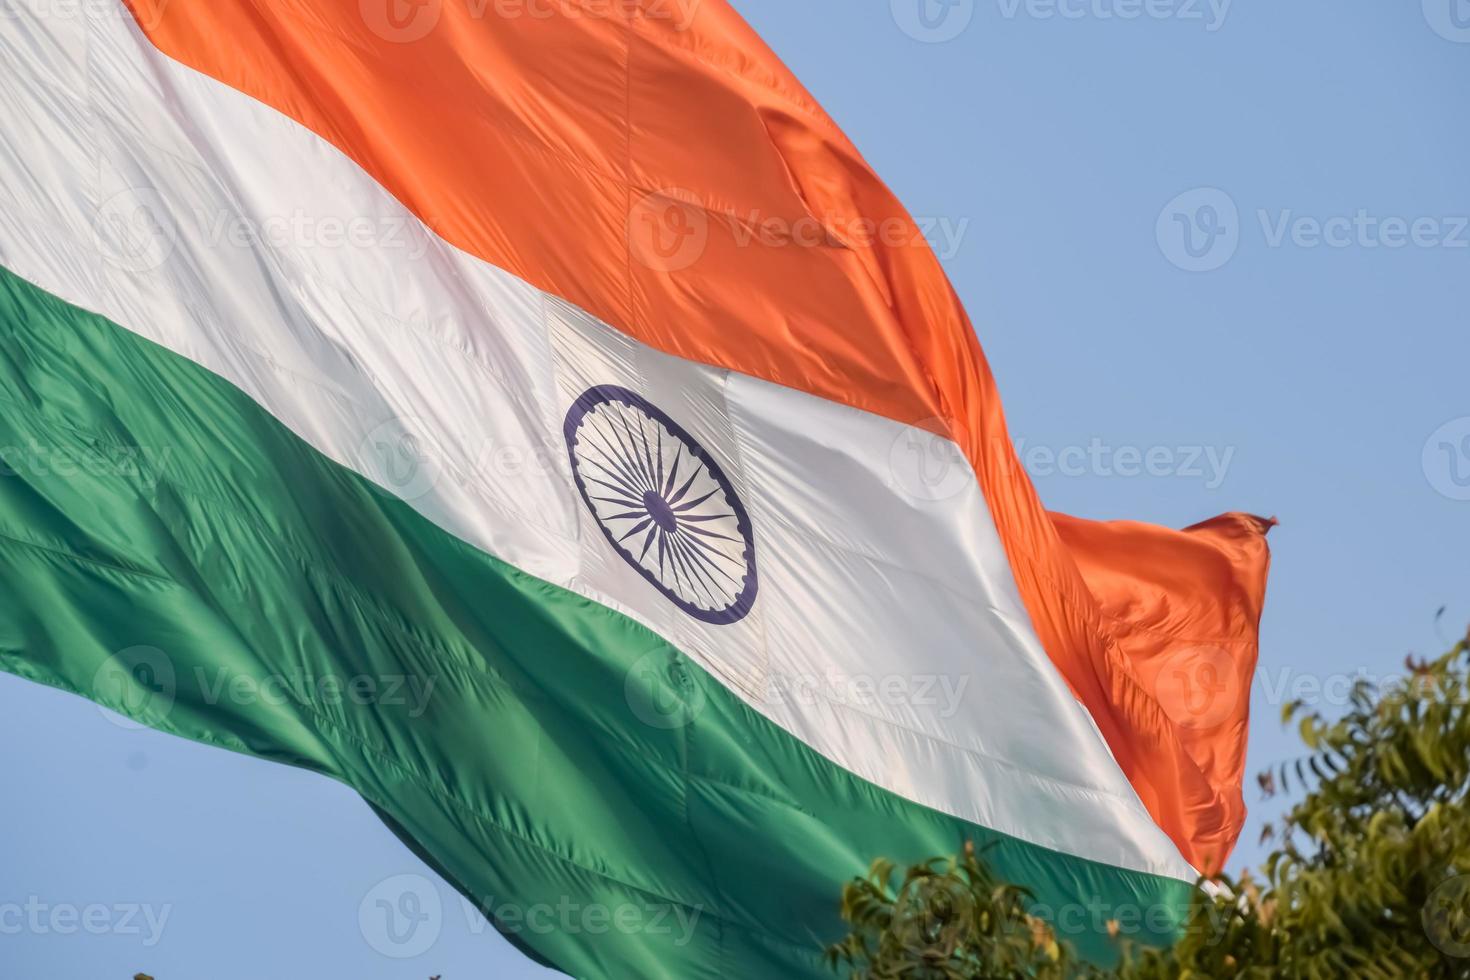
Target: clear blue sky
{"type": "Point", "coordinates": [1306, 361]}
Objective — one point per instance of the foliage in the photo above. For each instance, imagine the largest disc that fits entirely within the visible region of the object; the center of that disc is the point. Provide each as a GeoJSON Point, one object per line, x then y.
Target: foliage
{"type": "Point", "coordinates": [947, 920]}
{"type": "Point", "coordinates": [1370, 875]}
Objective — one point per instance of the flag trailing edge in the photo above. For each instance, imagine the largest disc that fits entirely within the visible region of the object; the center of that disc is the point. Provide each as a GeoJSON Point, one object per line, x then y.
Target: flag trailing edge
{"type": "Point", "coordinates": [648, 445]}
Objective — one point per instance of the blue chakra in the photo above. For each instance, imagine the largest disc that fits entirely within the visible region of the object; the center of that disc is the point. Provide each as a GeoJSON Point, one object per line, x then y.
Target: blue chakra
{"type": "Point", "coordinates": [663, 503]}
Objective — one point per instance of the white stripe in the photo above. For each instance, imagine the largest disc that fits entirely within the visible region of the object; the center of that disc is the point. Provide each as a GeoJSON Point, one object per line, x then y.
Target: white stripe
{"type": "Point", "coordinates": [364, 345]}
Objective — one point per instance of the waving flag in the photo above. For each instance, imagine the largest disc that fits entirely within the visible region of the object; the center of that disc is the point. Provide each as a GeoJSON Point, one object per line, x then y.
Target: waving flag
{"type": "Point", "coordinates": [541, 419]}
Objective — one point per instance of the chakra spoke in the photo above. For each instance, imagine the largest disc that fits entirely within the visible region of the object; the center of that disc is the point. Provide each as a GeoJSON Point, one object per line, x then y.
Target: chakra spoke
{"type": "Point", "coordinates": [647, 454]}
{"type": "Point", "coordinates": [710, 534]}
{"type": "Point", "coordinates": [621, 502]}
{"type": "Point", "coordinates": [682, 490]}
{"type": "Point", "coordinates": [673, 471]}
{"type": "Point", "coordinates": [626, 515]}
{"type": "Point", "coordinates": [659, 432]}
{"type": "Point", "coordinates": [653, 532]}
{"type": "Point", "coordinates": [638, 527]}
{"type": "Point", "coordinates": [705, 518]}
{"type": "Point", "coordinates": [690, 505]}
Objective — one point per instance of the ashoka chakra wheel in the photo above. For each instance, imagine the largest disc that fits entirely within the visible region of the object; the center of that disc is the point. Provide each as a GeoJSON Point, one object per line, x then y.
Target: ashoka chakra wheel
{"type": "Point", "coordinates": [663, 503]}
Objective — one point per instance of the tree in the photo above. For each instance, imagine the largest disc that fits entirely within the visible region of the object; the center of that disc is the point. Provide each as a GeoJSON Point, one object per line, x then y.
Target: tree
{"type": "Point", "coordinates": [1370, 876]}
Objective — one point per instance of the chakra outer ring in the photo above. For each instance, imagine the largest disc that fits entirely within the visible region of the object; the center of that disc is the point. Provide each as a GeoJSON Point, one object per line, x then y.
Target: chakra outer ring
{"type": "Point", "coordinates": [605, 394]}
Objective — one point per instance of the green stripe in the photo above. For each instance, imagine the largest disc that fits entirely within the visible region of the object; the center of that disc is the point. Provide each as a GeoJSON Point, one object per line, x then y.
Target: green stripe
{"type": "Point", "coordinates": [149, 503]}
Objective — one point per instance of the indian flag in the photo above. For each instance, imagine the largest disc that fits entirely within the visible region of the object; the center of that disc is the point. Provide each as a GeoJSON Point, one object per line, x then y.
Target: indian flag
{"type": "Point", "coordinates": [561, 369]}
